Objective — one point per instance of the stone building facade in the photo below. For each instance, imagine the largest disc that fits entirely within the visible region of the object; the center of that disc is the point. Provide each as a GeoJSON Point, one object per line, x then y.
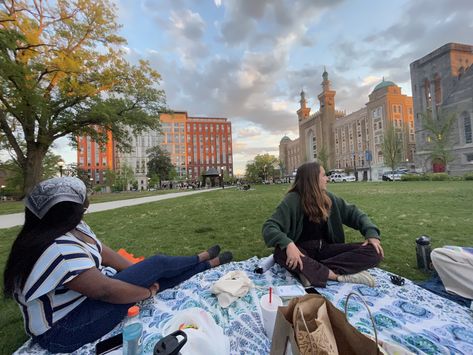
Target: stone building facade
{"type": "Point", "coordinates": [442, 85]}
{"type": "Point", "coordinates": [351, 142]}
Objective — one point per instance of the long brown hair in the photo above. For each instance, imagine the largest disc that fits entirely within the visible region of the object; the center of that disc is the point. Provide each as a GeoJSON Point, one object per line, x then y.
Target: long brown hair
{"type": "Point", "coordinates": [315, 201]}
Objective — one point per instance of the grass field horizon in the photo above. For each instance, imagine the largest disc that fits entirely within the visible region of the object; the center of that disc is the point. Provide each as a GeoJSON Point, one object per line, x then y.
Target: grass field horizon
{"type": "Point", "coordinates": [233, 218]}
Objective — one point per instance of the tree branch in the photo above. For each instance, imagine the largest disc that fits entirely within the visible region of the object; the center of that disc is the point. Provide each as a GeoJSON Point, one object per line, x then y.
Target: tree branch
{"type": "Point", "coordinates": [11, 137]}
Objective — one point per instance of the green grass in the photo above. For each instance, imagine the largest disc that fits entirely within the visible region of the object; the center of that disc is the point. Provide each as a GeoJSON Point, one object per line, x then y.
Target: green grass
{"type": "Point", "coordinates": [7, 207]}
{"type": "Point", "coordinates": [233, 218]}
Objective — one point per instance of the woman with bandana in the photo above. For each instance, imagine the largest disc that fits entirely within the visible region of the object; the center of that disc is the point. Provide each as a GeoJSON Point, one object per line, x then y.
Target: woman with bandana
{"type": "Point", "coordinates": [58, 271]}
{"type": "Point", "coordinates": [306, 231]}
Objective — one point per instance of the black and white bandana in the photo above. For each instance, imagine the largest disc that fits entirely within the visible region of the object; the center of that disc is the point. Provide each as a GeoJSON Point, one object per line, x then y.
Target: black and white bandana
{"type": "Point", "coordinates": [52, 191]}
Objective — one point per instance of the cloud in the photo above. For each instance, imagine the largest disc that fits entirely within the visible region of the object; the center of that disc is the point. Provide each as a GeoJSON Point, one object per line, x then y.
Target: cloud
{"type": "Point", "coordinates": [249, 132]}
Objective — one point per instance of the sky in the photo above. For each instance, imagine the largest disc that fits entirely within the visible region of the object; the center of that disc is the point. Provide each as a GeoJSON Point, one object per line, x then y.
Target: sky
{"type": "Point", "coordinates": [248, 60]}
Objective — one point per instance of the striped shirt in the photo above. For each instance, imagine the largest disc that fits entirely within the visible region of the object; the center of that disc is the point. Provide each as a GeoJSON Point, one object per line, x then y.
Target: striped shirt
{"type": "Point", "coordinates": [44, 299]}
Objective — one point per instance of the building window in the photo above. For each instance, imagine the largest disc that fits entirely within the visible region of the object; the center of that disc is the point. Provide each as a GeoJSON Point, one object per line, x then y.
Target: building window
{"type": "Point", "coordinates": [467, 127]}
{"type": "Point", "coordinates": [469, 157]}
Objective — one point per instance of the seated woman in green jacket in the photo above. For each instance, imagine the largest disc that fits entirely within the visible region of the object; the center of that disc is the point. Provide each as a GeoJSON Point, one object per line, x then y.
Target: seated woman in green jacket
{"type": "Point", "coordinates": [306, 231]}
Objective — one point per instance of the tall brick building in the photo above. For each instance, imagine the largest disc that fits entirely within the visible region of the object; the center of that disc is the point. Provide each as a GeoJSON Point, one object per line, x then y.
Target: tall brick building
{"type": "Point", "coordinates": [95, 158]}
{"type": "Point", "coordinates": [351, 141]}
{"type": "Point", "coordinates": [195, 144]}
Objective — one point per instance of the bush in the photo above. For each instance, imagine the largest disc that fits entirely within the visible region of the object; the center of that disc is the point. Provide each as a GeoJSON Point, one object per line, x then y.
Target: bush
{"type": "Point", "coordinates": [456, 178]}
{"type": "Point", "coordinates": [414, 177]}
{"type": "Point", "coordinates": [437, 176]}
{"type": "Point", "coordinates": [468, 176]}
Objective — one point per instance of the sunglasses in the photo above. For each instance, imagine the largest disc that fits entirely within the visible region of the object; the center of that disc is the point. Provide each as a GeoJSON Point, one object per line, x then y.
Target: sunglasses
{"type": "Point", "coordinates": [397, 280]}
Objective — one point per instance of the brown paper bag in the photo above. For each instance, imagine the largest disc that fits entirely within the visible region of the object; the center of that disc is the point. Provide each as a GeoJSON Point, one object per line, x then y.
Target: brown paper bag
{"type": "Point", "coordinates": [349, 341]}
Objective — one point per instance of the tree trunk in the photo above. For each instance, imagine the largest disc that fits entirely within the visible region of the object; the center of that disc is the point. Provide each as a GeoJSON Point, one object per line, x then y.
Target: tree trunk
{"type": "Point", "coordinates": [33, 169]}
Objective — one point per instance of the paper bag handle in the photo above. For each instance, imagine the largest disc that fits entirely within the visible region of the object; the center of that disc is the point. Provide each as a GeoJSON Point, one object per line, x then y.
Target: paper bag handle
{"type": "Point", "coordinates": [313, 346]}
{"type": "Point", "coordinates": [369, 313]}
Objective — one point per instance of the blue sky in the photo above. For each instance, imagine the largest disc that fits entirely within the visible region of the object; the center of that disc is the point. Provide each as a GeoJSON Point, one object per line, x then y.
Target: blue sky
{"type": "Point", "coordinates": [248, 59]}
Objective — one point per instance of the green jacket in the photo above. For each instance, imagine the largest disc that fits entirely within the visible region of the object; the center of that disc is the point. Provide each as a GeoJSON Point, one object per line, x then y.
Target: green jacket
{"type": "Point", "coordinates": [285, 225]}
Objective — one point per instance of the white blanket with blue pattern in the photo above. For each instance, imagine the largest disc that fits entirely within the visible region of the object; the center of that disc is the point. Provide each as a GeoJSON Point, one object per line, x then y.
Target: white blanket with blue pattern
{"type": "Point", "coordinates": [408, 315]}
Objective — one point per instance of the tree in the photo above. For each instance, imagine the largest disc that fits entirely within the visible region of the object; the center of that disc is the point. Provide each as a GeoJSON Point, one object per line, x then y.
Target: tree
{"type": "Point", "coordinates": [261, 167]}
{"type": "Point", "coordinates": [438, 138]}
{"type": "Point", "coordinates": [15, 175]}
{"type": "Point", "coordinates": [63, 73]}
{"type": "Point", "coordinates": [323, 158]}
{"type": "Point", "coordinates": [392, 147]}
{"type": "Point", "coordinates": [159, 164]}
{"type": "Point", "coordinates": [125, 177]}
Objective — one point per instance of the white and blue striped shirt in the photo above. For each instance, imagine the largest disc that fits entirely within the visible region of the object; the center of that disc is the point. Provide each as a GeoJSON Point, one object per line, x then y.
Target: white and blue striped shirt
{"type": "Point", "coordinates": [44, 299]}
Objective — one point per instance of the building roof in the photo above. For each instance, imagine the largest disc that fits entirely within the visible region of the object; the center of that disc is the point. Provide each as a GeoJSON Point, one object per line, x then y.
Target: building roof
{"type": "Point", "coordinates": [285, 139]}
{"type": "Point", "coordinates": [384, 84]}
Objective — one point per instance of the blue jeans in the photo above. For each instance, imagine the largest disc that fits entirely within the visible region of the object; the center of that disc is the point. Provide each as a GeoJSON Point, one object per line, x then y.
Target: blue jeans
{"type": "Point", "coordinates": [93, 319]}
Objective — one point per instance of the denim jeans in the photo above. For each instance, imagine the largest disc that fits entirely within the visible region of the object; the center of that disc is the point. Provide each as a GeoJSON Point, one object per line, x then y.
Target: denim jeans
{"type": "Point", "coordinates": [93, 319]}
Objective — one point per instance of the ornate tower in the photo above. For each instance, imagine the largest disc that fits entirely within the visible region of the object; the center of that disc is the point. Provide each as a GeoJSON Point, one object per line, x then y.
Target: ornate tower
{"type": "Point", "coordinates": [325, 137]}
{"type": "Point", "coordinates": [304, 112]}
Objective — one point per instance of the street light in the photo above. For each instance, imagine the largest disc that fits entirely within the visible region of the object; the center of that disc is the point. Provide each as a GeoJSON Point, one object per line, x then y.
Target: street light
{"type": "Point", "coordinates": [3, 188]}
{"type": "Point", "coordinates": [60, 164]}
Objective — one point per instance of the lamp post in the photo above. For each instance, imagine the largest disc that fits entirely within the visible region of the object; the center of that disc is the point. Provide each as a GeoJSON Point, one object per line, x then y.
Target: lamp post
{"type": "Point", "coordinates": [60, 164]}
{"type": "Point", "coordinates": [3, 193]}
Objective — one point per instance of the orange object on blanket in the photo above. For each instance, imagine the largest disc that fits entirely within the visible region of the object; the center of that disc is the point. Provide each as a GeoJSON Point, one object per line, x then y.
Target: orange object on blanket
{"type": "Point", "coordinates": [130, 256]}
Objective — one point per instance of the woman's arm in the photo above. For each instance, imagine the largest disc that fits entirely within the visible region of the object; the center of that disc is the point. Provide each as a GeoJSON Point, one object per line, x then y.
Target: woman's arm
{"type": "Point", "coordinates": [113, 259]}
{"type": "Point", "coordinates": [93, 284]}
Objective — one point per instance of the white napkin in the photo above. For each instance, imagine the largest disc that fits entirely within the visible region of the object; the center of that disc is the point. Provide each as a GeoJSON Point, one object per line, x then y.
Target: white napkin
{"type": "Point", "coordinates": [231, 286]}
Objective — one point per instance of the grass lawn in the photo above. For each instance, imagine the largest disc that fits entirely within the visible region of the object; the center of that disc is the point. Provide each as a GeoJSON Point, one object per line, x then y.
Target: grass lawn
{"type": "Point", "coordinates": [233, 218]}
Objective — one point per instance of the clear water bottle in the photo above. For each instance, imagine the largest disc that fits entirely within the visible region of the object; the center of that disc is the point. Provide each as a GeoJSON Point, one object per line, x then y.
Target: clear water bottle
{"type": "Point", "coordinates": [132, 332]}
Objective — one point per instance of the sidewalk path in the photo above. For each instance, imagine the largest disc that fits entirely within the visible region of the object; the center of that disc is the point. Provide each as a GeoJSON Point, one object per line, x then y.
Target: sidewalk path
{"type": "Point", "coordinates": [17, 219]}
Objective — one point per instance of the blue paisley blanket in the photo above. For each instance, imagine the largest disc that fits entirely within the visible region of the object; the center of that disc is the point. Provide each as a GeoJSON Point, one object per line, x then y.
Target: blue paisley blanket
{"type": "Point", "coordinates": [408, 315]}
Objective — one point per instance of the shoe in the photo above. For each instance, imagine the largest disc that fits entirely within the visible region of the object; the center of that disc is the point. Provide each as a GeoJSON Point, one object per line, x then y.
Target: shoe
{"type": "Point", "coordinates": [225, 257]}
{"type": "Point", "coordinates": [213, 251]}
{"type": "Point", "coordinates": [304, 281]}
{"type": "Point", "coordinates": [363, 278]}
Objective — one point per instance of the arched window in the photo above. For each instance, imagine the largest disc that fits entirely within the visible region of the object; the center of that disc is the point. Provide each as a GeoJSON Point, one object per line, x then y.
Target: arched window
{"type": "Point", "coordinates": [437, 89]}
{"type": "Point", "coordinates": [311, 146]}
{"type": "Point", "coordinates": [428, 96]}
{"type": "Point", "coordinates": [467, 127]}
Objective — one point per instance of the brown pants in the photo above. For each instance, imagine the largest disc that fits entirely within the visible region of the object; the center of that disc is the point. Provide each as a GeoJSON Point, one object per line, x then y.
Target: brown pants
{"type": "Point", "coordinates": [320, 256]}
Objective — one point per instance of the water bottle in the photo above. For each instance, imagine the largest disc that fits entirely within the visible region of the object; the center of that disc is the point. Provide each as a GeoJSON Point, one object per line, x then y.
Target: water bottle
{"type": "Point", "coordinates": [132, 332]}
{"type": "Point", "coordinates": [423, 250]}
{"type": "Point", "coordinates": [265, 265]}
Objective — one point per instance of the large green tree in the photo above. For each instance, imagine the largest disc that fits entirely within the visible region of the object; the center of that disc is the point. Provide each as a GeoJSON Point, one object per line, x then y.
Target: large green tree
{"type": "Point", "coordinates": [261, 168]}
{"type": "Point", "coordinates": [159, 164]}
{"type": "Point", "coordinates": [63, 73]}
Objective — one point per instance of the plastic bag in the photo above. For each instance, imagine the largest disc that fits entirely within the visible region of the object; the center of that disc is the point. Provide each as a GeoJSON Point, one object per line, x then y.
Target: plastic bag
{"type": "Point", "coordinates": [204, 336]}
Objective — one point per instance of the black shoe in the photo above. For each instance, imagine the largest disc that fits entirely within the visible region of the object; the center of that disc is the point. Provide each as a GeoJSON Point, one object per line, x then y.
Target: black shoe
{"type": "Point", "coordinates": [225, 257]}
{"type": "Point", "coordinates": [213, 251]}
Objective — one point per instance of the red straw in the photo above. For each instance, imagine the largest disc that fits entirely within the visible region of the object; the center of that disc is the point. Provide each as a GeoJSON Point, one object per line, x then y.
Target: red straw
{"type": "Point", "coordinates": [270, 295]}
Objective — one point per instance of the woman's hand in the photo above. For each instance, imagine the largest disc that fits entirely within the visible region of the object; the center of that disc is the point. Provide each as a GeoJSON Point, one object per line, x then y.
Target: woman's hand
{"type": "Point", "coordinates": [293, 257]}
{"type": "Point", "coordinates": [376, 243]}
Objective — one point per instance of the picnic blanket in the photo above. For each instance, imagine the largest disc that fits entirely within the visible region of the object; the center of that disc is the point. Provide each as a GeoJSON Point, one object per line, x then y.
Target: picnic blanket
{"type": "Point", "coordinates": [408, 315]}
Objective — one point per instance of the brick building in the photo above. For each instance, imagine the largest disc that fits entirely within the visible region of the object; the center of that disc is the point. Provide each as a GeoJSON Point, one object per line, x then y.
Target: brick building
{"type": "Point", "coordinates": [195, 144]}
{"type": "Point", "coordinates": [95, 158]}
{"type": "Point", "coordinates": [350, 141]}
